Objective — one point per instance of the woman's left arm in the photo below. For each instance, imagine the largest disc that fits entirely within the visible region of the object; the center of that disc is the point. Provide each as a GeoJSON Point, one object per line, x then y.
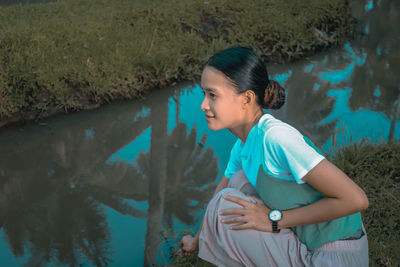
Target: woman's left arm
{"type": "Point", "coordinates": [343, 197]}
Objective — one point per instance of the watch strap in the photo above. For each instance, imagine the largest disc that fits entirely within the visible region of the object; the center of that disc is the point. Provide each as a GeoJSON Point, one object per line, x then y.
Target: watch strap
{"type": "Point", "coordinates": [275, 227]}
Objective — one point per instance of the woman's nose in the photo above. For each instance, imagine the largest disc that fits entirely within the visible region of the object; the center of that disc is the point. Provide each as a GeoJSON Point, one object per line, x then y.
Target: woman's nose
{"type": "Point", "coordinates": [204, 105]}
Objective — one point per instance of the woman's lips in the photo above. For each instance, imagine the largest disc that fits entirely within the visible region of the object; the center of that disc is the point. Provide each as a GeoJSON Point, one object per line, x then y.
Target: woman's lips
{"type": "Point", "coordinates": [208, 118]}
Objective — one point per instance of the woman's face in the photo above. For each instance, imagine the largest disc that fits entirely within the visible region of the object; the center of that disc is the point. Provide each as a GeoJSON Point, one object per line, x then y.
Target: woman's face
{"type": "Point", "coordinates": [222, 105]}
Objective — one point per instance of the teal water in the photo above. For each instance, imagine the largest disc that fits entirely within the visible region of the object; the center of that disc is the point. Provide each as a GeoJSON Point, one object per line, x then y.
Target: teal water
{"type": "Point", "coordinates": [98, 187]}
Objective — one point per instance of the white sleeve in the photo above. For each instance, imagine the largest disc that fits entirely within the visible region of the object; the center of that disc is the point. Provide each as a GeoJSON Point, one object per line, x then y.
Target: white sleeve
{"type": "Point", "coordinates": [234, 164]}
{"type": "Point", "coordinates": [291, 152]}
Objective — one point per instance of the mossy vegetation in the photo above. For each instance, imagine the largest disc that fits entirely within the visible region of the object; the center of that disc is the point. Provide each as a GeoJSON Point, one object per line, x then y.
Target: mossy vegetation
{"type": "Point", "coordinates": [375, 168]}
{"type": "Point", "coordinates": [78, 54]}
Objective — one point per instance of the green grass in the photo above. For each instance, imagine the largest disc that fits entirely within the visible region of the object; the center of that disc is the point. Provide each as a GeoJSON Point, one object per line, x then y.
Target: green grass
{"type": "Point", "coordinates": [376, 169]}
{"type": "Point", "coordinates": [71, 55]}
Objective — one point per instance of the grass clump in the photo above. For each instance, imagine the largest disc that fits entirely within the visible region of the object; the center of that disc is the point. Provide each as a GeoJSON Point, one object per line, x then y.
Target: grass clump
{"type": "Point", "coordinates": [78, 54]}
{"type": "Point", "coordinates": [376, 169]}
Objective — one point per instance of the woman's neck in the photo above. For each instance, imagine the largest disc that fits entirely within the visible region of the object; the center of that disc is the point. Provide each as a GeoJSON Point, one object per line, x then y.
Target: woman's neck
{"type": "Point", "coordinates": [242, 131]}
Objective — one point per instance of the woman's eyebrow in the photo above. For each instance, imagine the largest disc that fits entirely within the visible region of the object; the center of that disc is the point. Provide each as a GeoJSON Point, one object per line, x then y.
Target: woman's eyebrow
{"type": "Point", "coordinates": [209, 90]}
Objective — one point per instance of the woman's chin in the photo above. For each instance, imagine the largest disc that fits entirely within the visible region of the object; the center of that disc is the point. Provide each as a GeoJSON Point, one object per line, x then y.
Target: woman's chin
{"type": "Point", "coordinates": [214, 127]}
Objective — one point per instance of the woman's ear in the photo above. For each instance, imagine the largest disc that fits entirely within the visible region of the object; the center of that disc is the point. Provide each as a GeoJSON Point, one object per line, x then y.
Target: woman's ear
{"type": "Point", "coordinates": [249, 97]}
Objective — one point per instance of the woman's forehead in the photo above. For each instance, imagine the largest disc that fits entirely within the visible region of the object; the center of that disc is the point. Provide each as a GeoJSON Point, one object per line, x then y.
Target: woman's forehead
{"type": "Point", "coordinates": [213, 79]}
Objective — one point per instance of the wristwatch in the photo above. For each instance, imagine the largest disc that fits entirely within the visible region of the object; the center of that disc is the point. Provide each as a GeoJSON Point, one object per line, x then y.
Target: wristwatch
{"type": "Point", "coordinates": [275, 216]}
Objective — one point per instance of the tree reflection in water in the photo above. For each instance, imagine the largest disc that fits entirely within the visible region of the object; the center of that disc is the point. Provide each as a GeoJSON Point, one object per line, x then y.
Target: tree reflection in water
{"type": "Point", "coordinates": [45, 206]}
{"type": "Point", "coordinates": [377, 83]}
{"type": "Point", "coordinates": [306, 107]}
{"type": "Point", "coordinates": [53, 190]}
{"type": "Point", "coordinates": [367, 69]}
{"type": "Point", "coordinates": [36, 214]}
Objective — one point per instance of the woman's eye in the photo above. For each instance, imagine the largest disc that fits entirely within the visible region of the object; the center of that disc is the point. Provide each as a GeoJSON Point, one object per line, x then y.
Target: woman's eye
{"type": "Point", "coordinates": [212, 95]}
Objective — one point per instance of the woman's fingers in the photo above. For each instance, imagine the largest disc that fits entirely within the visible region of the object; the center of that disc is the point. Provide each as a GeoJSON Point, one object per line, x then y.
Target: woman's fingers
{"type": "Point", "coordinates": [256, 199]}
{"type": "Point", "coordinates": [188, 245]}
{"type": "Point", "coordinates": [237, 219]}
{"type": "Point", "coordinates": [234, 211]}
{"type": "Point", "coordinates": [251, 215]}
{"type": "Point", "coordinates": [241, 226]}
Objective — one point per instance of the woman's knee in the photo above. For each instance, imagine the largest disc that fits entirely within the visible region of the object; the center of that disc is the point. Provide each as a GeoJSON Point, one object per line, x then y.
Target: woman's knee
{"type": "Point", "coordinates": [240, 182]}
{"type": "Point", "coordinates": [224, 204]}
{"type": "Point", "coordinates": [237, 180]}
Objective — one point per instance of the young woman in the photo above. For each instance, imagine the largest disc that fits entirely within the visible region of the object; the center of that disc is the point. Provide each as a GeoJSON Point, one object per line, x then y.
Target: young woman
{"type": "Point", "coordinates": [280, 202]}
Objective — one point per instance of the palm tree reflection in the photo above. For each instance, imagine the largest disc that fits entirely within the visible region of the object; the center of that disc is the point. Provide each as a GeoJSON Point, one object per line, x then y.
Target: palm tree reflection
{"type": "Point", "coordinates": [47, 226]}
{"type": "Point", "coordinates": [45, 207]}
{"type": "Point", "coordinates": [306, 107]}
{"type": "Point", "coordinates": [53, 189]}
{"type": "Point", "coordinates": [192, 170]}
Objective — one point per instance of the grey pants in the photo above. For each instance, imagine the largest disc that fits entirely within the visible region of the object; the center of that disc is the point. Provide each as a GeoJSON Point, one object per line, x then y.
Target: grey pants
{"type": "Point", "coordinates": [224, 247]}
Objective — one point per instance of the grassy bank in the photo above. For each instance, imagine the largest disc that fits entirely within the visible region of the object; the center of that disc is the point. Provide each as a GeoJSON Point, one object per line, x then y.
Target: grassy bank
{"type": "Point", "coordinates": [375, 167]}
{"type": "Point", "coordinates": [78, 54]}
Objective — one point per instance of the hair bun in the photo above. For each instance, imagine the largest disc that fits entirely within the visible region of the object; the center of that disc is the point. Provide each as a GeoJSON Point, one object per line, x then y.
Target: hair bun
{"type": "Point", "coordinates": [274, 96]}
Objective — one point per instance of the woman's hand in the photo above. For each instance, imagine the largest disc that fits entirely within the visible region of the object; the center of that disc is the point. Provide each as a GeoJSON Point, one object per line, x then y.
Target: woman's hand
{"type": "Point", "coordinates": [250, 216]}
{"type": "Point", "coordinates": [189, 244]}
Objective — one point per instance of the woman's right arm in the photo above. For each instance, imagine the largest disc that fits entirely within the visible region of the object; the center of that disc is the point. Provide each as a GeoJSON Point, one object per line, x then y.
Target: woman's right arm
{"type": "Point", "coordinates": [190, 244]}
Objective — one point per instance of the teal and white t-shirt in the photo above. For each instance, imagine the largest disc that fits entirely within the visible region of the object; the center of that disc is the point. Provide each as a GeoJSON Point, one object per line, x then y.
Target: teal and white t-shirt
{"type": "Point", "coordinates": [275, 158]}
{"type": "Point", "coordinates": [280, 149]}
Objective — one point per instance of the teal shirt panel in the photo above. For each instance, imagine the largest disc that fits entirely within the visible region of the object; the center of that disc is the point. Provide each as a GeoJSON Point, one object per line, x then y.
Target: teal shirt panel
{"type": "Point", "coordinates": [283, 195]}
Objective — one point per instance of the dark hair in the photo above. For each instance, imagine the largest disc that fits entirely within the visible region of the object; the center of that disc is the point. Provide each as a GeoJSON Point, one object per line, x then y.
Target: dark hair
{"type": "Point", "coordinates": [247, 71]}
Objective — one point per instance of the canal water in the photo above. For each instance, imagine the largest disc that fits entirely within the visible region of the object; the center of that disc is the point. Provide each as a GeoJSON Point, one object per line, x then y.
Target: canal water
{"type": "Point", "coordinates": [100, 187]}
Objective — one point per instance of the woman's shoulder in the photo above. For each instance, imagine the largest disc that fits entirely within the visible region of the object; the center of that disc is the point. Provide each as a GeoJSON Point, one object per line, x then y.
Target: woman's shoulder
{"type": "Point", "coordinates": [273, 129]}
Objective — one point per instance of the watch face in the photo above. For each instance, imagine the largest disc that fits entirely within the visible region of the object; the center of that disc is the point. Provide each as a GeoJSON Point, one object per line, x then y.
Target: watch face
{"type": "Point", "coordinates": [275, 215]}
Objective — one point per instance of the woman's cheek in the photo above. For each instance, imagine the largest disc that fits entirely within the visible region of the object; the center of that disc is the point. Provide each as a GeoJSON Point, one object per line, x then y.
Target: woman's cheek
{"type": "Point", "coordinates": [212, 104]}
